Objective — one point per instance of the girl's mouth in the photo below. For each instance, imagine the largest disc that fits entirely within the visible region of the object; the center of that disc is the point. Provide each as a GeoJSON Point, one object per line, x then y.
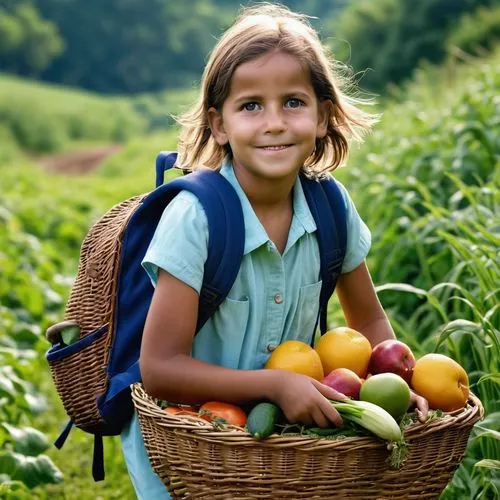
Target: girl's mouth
{"type": "Point", "coordinates": [275, 148]}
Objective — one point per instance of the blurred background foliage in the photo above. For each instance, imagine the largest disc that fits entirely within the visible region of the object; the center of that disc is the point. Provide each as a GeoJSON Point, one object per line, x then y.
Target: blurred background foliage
{"type": "Point", "coordinates": [131, 46]}
{"type": "Point", "coordinates": [82, 74]}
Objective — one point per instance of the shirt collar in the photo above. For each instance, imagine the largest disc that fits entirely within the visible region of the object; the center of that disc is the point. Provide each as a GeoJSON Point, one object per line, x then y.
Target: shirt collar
{"type": "Point", "coordinates": [255, 234]}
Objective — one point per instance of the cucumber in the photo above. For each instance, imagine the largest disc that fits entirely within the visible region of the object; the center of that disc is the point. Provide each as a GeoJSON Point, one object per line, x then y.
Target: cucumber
{"type": "Point", "coordinates": [262, 420]}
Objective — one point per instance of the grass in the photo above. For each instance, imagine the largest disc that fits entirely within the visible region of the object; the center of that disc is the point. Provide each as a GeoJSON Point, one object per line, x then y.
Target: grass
{"type": "Point", "coordinates": [75, 459]}
{"type": "Point", "coordinates": [42, 118]}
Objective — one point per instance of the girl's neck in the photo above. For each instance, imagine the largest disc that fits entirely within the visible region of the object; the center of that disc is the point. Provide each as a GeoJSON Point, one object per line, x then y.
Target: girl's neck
{"type": "Point", "coordinates": [266, 194]}
{"type": "Point", "coordinates": [272, 203]}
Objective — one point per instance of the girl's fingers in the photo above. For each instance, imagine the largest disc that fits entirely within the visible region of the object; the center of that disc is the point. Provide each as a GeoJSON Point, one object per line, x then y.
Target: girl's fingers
{"type": "Point", "coordinates": [306, 420]}
{"type": "Point", "coordinates": [421, 404]}
{"type": "Point", "coordinates": [330, 413]}
{"type": "Point", "coordinates": [320, 418]}
{"type": "Point", "coordinates": [328, 392]}
{"type": "Point", "coordinates": [422, 408]}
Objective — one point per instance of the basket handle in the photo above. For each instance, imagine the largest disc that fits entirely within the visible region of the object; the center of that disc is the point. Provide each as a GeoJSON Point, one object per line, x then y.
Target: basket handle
{"type": "Point", "coordinates": [53, 333]}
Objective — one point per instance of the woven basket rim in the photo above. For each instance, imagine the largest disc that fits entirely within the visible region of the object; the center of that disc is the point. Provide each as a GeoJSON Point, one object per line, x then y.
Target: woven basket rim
{"type": "Point", "coordinates": [231, 434]}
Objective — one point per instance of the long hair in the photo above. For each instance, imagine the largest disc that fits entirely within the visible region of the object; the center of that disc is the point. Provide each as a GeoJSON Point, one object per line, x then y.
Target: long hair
{"type": "Point", "coordinates": [257, 31]}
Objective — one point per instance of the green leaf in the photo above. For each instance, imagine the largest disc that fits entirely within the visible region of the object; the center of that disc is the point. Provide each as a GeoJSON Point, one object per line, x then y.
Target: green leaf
{"type": "Point", "coordinates": [14, 490]}
{"type": "Point", "coordinates": [457, 325]}
{"type": "Point", "coordinates": [488, 433]}
{"type": "Point", "coordinates": [495, 377]}
{"type": "Point", "coordinates": [25, 334]}
{"type": "Point", "coordinates": [491, 421]}
{"type": "Point", "coordinates": [8, 373]}
{"type": "Point", "coordinates": [488, 463]}
{"type": "Point", "coordinates": [7, 388]}
{"type": "Point", "coordinates": [36, 402]}
{"type": "Point", "coordinates": [27, 440]}
{"type": "Point", "coordinates": [32, 471]}
{"type": "Point", "coordinates": [402, 287]}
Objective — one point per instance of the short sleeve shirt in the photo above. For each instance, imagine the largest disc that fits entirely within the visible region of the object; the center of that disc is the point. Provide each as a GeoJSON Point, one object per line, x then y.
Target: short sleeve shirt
{"type": "Point", "coordinates": [274, 298]}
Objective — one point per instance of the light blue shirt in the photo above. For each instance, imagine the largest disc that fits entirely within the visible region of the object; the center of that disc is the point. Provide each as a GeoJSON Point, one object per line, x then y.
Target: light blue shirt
{"type": "Point", "coordinates": [273, 299]}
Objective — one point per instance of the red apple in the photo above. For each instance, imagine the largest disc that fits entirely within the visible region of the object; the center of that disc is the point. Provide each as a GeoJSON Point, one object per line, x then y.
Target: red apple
{"type": "Point", "coordinates": [392, 356]}
{"type": "Point", "coordinates": [345, 381]}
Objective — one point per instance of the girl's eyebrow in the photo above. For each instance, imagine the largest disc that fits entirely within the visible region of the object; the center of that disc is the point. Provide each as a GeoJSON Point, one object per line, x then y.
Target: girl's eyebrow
{"type": "Point", "coordinates": [256, 97]}
{"type": "Point", "coordinates": [298, 93]}
{"type": "Point", "coordinates": [247, 98]}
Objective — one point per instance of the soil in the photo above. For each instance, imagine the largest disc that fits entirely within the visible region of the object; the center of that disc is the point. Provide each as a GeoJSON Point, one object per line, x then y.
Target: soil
{"type": "Point", "coordinates": [78, 162]}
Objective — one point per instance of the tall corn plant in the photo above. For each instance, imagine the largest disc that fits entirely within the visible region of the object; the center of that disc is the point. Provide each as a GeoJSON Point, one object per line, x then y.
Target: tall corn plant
{"type": "Point", "coordinates": [430, 191]}
{"type": "Point", "coordinates": [466, 305]}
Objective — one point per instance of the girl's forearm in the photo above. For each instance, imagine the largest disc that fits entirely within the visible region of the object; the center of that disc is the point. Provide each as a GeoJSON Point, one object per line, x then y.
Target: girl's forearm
{"type": "Point", "coordinates": [378, 330]}
{"type": "Point", "coordinates": [187, 380]}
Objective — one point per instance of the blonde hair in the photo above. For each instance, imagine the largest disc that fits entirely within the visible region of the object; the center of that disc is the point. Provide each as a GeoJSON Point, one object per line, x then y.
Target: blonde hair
{"type": "Point", "coordinates": [257, 31]}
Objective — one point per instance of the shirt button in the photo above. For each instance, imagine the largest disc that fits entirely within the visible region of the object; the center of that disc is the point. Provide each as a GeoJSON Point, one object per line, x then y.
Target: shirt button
{"type": "Point", "coordinates": [278, 298]}
{"type": "Point", "coordinates": [271, 347]}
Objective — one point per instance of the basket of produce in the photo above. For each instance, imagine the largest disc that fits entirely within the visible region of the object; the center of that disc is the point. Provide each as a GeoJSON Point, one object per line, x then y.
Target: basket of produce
{"type": "Point", "coordinates": [220, 451]}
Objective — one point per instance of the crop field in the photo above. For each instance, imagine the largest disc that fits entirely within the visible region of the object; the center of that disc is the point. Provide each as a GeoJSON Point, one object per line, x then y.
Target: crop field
{"type": "Point", "coordinates": [427, 183]}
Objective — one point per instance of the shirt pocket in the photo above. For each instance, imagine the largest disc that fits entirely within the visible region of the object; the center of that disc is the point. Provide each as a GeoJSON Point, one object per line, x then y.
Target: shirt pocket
{"type": "Point", "coordinates": [306, 313]}
{"type": "Point", "coordinates": [220, 341]}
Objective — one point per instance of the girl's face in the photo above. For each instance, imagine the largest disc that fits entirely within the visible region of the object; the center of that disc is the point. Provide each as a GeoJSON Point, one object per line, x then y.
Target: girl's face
{"type": "Point", "coordinates": [271, 117]}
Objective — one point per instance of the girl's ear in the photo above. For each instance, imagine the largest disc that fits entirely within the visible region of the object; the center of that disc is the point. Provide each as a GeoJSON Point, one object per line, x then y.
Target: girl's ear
{"type": "Point", "coordinates": [325, 110]}
{"type": "Point", "coordinates": [217, 126]}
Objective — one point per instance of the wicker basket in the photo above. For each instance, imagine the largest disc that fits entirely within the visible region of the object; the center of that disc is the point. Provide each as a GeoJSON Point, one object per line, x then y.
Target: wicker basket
{"type": "Point", "coordinates": [194, 460]}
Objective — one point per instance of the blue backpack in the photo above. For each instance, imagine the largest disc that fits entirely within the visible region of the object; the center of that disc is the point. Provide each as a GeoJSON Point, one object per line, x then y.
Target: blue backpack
{"type": "Point", "coordinates": [110, 297]}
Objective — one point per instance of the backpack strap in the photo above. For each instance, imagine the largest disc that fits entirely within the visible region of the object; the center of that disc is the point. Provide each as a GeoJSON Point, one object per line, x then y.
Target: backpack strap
{"type": "Point", "coordinates": [222, 207]}
{"type": "Point", "coordinates": [226, 241]}
{"type": "Point", "coordinates": [328, 210]}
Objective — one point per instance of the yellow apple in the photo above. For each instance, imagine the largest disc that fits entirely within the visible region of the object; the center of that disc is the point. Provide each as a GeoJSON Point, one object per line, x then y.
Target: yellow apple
{"type": "Point", "coordinates": [344, 347]}
{"type": "Point", "coordinates": [298, 357]}
{"type": "Point", "coordinates": [442, 381]}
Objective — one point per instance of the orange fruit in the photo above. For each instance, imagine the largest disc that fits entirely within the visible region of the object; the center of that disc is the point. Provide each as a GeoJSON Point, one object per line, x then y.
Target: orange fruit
{"type": "Point", "coordinates": [298, 357]}
{"type": "Point", "coordinates": [442, 381]}
{"type": "Point", "coordinates": [344, 347]}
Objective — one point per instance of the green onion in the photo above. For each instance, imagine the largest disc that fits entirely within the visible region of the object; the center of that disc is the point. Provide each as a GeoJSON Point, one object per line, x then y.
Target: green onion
{"type": "Point", "coordinates": [371, 417]}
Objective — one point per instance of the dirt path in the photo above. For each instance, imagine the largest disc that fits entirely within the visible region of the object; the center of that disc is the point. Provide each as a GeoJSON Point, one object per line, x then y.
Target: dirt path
{"type": "Point", "coordinates": [78, 162]}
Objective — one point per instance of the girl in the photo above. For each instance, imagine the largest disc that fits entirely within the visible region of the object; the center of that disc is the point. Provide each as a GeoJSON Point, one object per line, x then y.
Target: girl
{"type": "Point", "coordinates": [269, 108]}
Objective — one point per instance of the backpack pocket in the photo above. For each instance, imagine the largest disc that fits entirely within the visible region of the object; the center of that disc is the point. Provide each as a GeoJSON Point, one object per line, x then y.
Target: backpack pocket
{"type": "Point", "coordinates": [80, 376]}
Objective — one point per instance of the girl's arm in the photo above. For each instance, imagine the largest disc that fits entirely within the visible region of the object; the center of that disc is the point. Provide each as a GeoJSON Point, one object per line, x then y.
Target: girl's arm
{"type": "Point", "coordinates": [361, 306]}
{"type": "Point", "coordinates": [169, 372]}
{"type": "Point", "coordinates": [364, 313]}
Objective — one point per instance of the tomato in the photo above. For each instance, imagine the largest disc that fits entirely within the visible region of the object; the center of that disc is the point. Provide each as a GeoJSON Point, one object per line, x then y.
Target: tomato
{"type": "Point", "coordinates": [181, 410]}
{"type": "Point", "coordinates": [232, 414]}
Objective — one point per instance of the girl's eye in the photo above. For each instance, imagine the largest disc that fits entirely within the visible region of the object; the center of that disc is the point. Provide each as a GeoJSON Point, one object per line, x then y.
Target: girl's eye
{"type": "Point", "coordinates": [294, 103]}
{"type": "Point", "coordinates": [250, 106]}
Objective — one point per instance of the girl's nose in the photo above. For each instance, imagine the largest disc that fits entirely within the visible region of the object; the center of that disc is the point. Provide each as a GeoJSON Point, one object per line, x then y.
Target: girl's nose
{"type": "Point", "coordinates": [274, 121]}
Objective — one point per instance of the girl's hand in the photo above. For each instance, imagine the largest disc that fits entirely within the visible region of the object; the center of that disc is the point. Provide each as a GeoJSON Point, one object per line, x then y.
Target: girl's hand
{"type": "Point", "coordinates": [304, 400]}
{"type": "Point", "coordinates": [421, 406]}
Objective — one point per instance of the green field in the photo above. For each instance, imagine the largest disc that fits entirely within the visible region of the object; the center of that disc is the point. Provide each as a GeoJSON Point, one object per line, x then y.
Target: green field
{"type": "Point", "coordinates": [427, 182]}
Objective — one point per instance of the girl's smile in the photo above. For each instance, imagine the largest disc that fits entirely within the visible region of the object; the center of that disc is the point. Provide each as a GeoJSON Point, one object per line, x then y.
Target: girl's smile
{"type": "Point", "coordinates": [274, 149]}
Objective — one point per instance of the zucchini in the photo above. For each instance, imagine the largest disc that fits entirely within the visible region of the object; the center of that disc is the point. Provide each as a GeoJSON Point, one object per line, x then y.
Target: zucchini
{"type": "Point", "coordinates": [262, 419]}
